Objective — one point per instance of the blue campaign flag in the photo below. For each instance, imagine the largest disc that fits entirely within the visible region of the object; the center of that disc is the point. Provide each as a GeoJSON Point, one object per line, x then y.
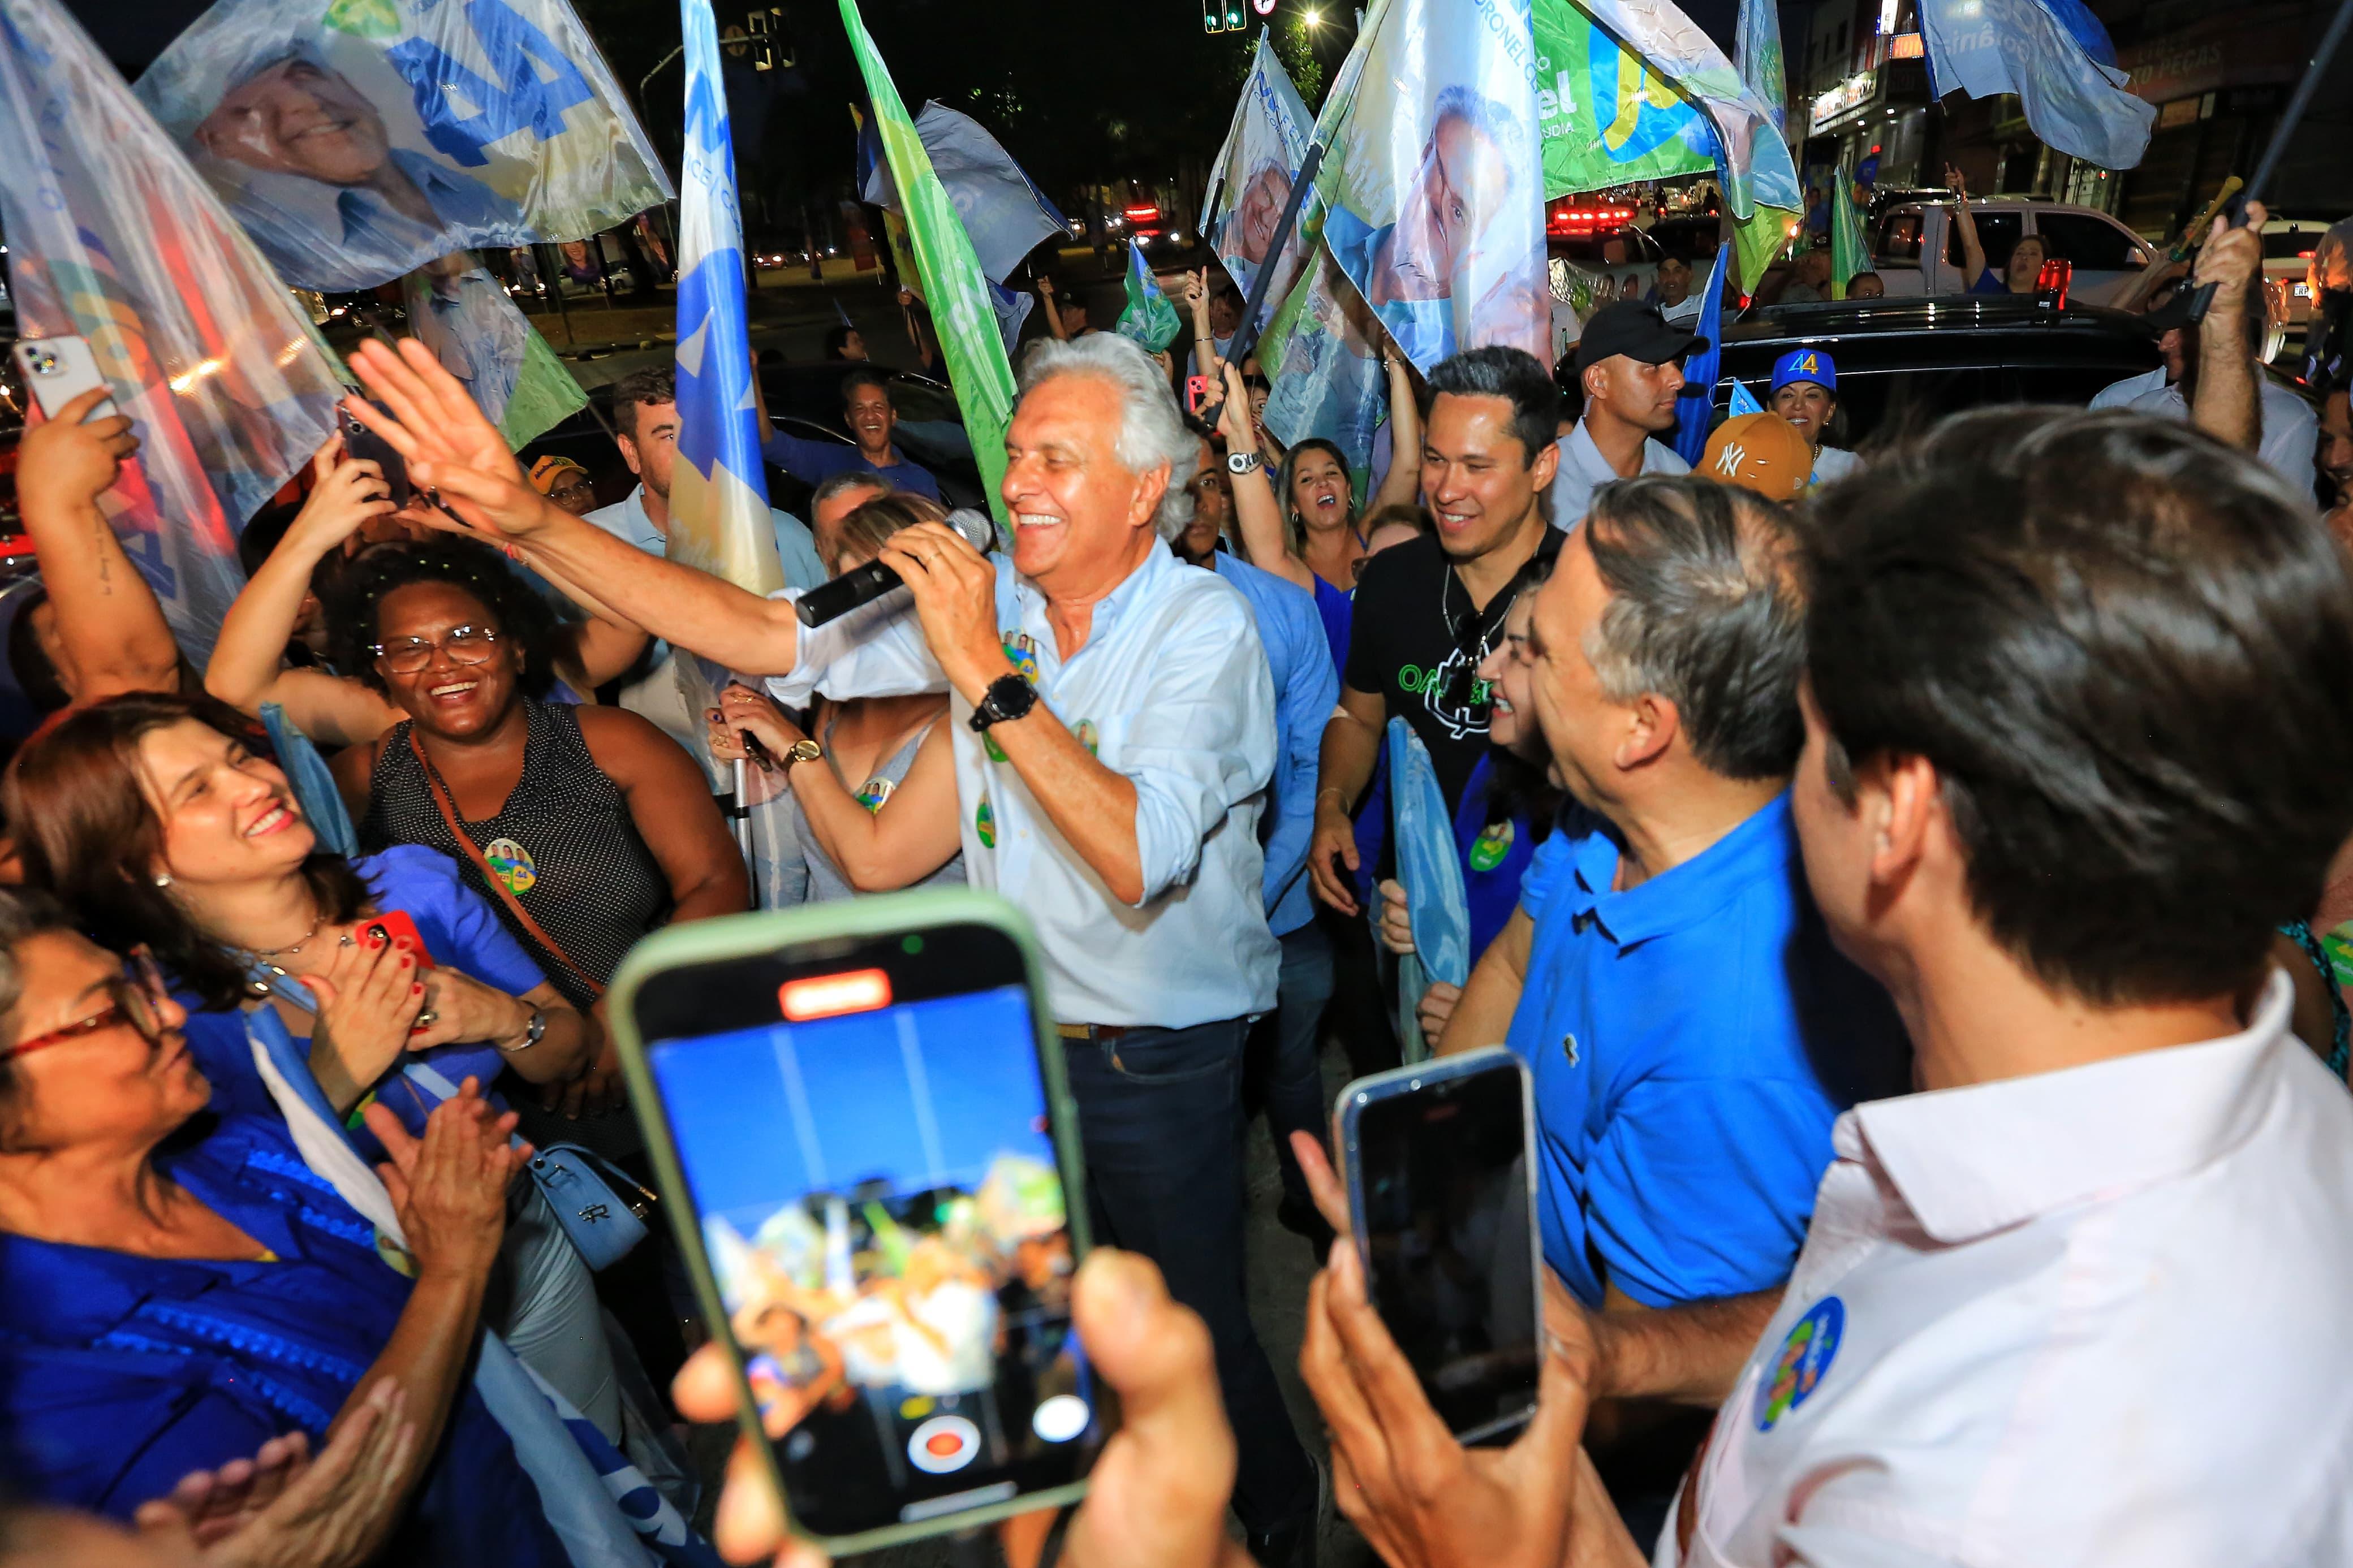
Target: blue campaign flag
{"type": "Point", "coordinates": [1005, 215]}
{"type": "Point", "coordinates": [1743, 400]}
{"type": "Point", "coordinates": [1698, 371]}
{"type": "Point", "coordinates": [2049, 53]}
{"type": "Point", "coordinates": [1430, 869]}
{"type": "Point", "coordinates": [719, 496]}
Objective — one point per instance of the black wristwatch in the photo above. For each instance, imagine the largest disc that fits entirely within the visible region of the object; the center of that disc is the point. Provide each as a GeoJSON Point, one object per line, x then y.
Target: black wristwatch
{"type": "Point", "coordinates": [1008, 697]}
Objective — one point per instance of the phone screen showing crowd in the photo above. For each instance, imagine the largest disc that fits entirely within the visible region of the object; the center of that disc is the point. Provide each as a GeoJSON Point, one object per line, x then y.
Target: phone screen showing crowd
{"type": "Point", "coordinates": [881, 1207]}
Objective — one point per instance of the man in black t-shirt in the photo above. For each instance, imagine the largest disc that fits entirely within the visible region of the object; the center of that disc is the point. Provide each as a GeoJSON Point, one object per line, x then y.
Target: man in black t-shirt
{"type": "Point", "coordinates": [1428, 612]}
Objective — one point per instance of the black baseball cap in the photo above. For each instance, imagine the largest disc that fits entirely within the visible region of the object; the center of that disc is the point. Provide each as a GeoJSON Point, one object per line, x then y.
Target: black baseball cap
{"type": "Point", "coordinates": [1638, 331]}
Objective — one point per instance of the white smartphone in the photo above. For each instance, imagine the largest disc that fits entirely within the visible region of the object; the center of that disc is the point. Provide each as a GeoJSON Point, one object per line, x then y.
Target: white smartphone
{"type": "Point", "coordinates": [59, 370]}
{"type": "Point", "coordinates": [1440, 1162]}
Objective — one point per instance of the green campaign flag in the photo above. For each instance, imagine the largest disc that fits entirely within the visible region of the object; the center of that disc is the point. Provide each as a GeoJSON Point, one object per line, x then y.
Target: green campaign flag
{"type": "Point", "coordinates": [1605, 117]}
{"type": "Point", "coordinates": [1759, 237]}
{"type": "Point", "coordinates": [1849, 251]}
{"type": "Point", "coordinates": [954, 288]}
{"type": "Point", "coordinates": [1148, 320]}
{"type": "Point", "coordinates": [544, 395]}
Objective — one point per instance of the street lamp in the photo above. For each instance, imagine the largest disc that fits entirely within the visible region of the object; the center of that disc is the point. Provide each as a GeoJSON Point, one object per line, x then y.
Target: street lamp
{"type": "Point", "coordinates": [1312, 18]}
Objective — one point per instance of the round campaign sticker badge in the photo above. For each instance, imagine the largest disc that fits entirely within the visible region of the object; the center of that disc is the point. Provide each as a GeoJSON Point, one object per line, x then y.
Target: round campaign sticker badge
{"type": "Point", "coordinates": [1487, 851]}
{"type": "Point", "coordinates": [1023, 652]}
{"type": "Point", "coordinates": [1086, 734]}
{"type": "Point", "coordinates": [511, 864]}
{"type": "Point", "coordinates": [1805, 1360]}
{"type": "Point", "coordinates": [983, 823]}
{"type": "Point", "coordinates": [874, 792]}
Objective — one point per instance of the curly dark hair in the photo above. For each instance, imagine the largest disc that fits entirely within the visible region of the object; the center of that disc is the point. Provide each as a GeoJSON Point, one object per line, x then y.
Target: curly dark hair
{"type": "Point", "coordinates": [88, 835]}
{"type": "Point", "coordinates": [524, 618]}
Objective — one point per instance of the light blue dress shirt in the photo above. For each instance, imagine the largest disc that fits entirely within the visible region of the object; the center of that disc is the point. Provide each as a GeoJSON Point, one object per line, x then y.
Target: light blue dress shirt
{"type": "Point", "coordinates": [1306, 689]}
{"type": "Point", "coordinates": [1173, 691]}
{"type": "Point", "coordinates": [626, 521]}
{"type": "Point", "coordinates": [1583, 469]}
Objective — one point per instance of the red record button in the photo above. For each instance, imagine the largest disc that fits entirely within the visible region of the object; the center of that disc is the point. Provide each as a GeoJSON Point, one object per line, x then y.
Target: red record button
{"type": "Point", "coordinates": [944, 1443]}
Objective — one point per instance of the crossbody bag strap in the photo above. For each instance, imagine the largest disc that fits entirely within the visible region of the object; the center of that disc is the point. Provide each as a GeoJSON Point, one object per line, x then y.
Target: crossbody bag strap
{"type": "Point", "coordinates": [499, 888]}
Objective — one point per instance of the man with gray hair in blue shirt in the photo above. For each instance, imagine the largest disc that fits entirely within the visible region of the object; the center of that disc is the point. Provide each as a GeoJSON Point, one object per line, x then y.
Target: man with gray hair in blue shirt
{"type": "Point", "coordinates": [1692, 1033]}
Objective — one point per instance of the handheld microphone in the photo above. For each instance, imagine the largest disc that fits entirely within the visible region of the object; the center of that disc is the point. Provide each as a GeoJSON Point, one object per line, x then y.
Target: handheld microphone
{"type": "Point", "coordinates": [863, 585]}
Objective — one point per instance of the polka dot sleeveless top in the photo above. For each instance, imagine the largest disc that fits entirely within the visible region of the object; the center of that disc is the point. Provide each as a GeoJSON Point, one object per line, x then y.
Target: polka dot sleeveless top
{"type": "Point", "coordinates": [563, 843]}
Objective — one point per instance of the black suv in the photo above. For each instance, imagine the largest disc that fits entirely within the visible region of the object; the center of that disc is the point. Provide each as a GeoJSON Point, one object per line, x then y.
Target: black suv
{"type": "Point", "coordinates": [1904, 362]}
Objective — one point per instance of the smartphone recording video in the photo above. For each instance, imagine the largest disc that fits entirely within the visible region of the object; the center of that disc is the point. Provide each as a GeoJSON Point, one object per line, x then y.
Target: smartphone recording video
{"type": "Point", "coordinates": [867, 1141]}
{"type": "Point", "coordinates": [1441, 1190]}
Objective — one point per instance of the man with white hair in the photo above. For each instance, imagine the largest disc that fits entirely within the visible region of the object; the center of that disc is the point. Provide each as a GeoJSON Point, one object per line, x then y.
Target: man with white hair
{"type": "Point", "coordinates": [1114, 796]}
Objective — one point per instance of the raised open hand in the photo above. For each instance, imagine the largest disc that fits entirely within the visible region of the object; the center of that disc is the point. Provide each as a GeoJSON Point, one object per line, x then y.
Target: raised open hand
{"type": "Point", "coordinates": [452, 450]}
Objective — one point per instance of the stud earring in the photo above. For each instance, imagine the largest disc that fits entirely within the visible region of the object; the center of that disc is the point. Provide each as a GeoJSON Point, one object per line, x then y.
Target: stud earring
{"type": "Point", "coordinates": [164, 881]}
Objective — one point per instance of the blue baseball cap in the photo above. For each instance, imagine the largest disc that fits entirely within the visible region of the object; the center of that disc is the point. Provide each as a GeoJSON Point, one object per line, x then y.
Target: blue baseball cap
{"type": "Point", "coordinates": [1804, 364]}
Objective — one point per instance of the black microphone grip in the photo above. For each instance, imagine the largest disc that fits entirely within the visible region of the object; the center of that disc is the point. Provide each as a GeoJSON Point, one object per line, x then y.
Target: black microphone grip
{"type": "Point", "coordinates": [863, 585]}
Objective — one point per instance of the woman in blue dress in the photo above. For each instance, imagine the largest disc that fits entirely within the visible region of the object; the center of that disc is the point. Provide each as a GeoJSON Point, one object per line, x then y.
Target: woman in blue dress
{"type": "Point", "coordinates": [178, 1288]}
{"type": "Point", "coordinates": [163, 822]}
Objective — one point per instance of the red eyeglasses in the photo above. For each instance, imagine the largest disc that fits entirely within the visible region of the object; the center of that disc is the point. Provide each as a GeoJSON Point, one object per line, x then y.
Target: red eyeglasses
{"type": "Point", "coordinates": [135, 997]}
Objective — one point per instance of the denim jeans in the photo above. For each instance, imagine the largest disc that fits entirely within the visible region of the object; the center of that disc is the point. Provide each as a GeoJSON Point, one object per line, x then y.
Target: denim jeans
{"type": "Point", "coordinates": [1285, 1061]}
{"type": "Point", "coordinates": [1160, 1121]}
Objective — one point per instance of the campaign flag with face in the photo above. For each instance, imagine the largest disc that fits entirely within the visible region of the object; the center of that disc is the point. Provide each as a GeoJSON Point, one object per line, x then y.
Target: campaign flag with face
{"type": "Point", "coordinates": [113, 238]}
{"type": "Point", "coordinates": [1754, 163]}
{"type": "Point", "coordinates": [1005, 215]}
{"type": "Point", "coordinates": [2056, 56]}
{"type": "Point", "coordinates": [1742, 402]}
{"type": "Point", "coordinates": [1255, 170]}
{"type": "Point", "coordinates": [1700, 370]}
{"type": "Point", "coordinates": [463, 314]}
{"type": "Point", "coordinates": [1757, 55]}
{"type": "Point", "coordinates": [358, 140]}
{"type": "Point", "coordinates": [1605, 118]}
{"type": "Point", "coordinates": [718, 492]}
{"type": "Point", "coordinates": [1432, 190]}
{"type": "Point", "coordinates": [1148, 319]}
{"type": "Point", "coordinates": [963, 310]}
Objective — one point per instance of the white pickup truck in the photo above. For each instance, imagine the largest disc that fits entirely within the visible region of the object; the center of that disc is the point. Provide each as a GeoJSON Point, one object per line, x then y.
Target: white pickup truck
{"type": "Point", "coordinates": [1916, 247]}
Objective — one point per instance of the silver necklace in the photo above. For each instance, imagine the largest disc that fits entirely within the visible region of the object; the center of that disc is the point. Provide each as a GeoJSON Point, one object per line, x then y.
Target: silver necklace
{"type": "Point", "coordinates": [262, 956]}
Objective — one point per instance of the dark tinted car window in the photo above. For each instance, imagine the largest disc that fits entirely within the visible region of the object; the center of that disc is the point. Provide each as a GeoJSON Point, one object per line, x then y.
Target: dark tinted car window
{"type": "Point", "coordinates": [2088, 243]}
{"type": "Point", "coordinates": [2282, 244]}
{"type": "Point", "coordinates": [1899, 237]}
{"type": "Point", "coordinates": [1998, 232]}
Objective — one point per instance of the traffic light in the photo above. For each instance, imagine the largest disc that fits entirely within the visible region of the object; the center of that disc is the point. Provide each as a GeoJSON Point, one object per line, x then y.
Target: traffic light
{"type": "Point", "coordinates": [1234, 11]}
{"type": "Point", "coordinates": [1224, 15]}
{"type": "Point", "coordinates": [772, 41]}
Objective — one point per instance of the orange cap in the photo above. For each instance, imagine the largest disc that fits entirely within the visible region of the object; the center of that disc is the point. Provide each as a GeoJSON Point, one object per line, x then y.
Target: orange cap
{"type": "Point", "coordinates": [1761, 452]}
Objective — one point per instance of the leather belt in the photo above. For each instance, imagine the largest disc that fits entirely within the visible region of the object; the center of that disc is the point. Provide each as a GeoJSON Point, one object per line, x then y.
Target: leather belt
{"type": "Point", "coordinates": [1093, 1031]}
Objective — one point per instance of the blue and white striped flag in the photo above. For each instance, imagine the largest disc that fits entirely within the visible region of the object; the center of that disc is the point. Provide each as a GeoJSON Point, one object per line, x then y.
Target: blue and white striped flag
{"type": "Point", "coordinates": [719, 496]}
{"type": "Point", "coordinates": [2056, 58]}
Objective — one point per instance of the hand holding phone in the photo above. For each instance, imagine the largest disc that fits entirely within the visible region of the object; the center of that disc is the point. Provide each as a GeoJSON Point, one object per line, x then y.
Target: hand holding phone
{"type": "Point", "coordinates": [871, 1159]}
{"type": "Point", "coordinates": [1438, 1158]}
{"type": "Point", "coordinates": [361, 442]}
{"type": "Point", "coordinates": [59, 370]}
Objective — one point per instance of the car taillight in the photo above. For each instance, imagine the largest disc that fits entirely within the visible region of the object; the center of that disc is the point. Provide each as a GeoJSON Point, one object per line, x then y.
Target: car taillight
{"type": "Point", "coordinates": [2050, 283]}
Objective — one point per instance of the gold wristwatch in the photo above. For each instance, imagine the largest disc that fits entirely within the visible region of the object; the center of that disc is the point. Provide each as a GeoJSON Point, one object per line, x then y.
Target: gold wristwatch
{"type": "Point", "coordinates": [802, 751]}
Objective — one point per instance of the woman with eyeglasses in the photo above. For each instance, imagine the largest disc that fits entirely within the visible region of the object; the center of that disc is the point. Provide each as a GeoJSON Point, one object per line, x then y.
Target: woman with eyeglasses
{"type": "Point", "coordinates": [163, 822]}
{"type": "Point", "coordinates": [179, 1290]}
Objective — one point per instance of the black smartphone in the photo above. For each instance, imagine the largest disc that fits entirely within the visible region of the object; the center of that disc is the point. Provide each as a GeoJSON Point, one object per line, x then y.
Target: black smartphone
{"type": "Point", "coordinates": [859, 1116]}
{"type": "Point", "coordinates": [361, 442]}
{"type": "Point", "coordinates": [1439, 1158]}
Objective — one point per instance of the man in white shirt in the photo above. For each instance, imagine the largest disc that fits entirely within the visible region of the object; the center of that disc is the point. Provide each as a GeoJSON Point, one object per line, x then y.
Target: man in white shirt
{"type": "Point", "coordinates": [2287, 432]}
{"type": "Point", "coordinates": [1678, 306]}
{"type": "Point", "coordinates": [2080, 1298]}
{"type": "Point", "coordinates": [1116, 797]}
{"type": "Point", "coordinates": [1629, 362]}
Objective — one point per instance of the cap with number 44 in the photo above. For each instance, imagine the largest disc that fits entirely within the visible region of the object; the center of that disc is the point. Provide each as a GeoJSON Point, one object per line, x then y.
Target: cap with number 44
{"type": "Point", "coordinates": [1804, 364]}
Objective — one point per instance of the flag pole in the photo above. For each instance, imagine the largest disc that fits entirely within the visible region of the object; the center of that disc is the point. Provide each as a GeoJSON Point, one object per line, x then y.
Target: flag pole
{"type": "Point", "coordinates": [2288, 120]}
{"type": "Point", "coordinates": [1246, 335]}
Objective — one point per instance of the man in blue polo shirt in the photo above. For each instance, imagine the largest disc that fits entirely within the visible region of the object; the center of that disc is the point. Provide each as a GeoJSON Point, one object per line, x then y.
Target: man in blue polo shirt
{"type": "Point", "coordinates": [1690, 1031]}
